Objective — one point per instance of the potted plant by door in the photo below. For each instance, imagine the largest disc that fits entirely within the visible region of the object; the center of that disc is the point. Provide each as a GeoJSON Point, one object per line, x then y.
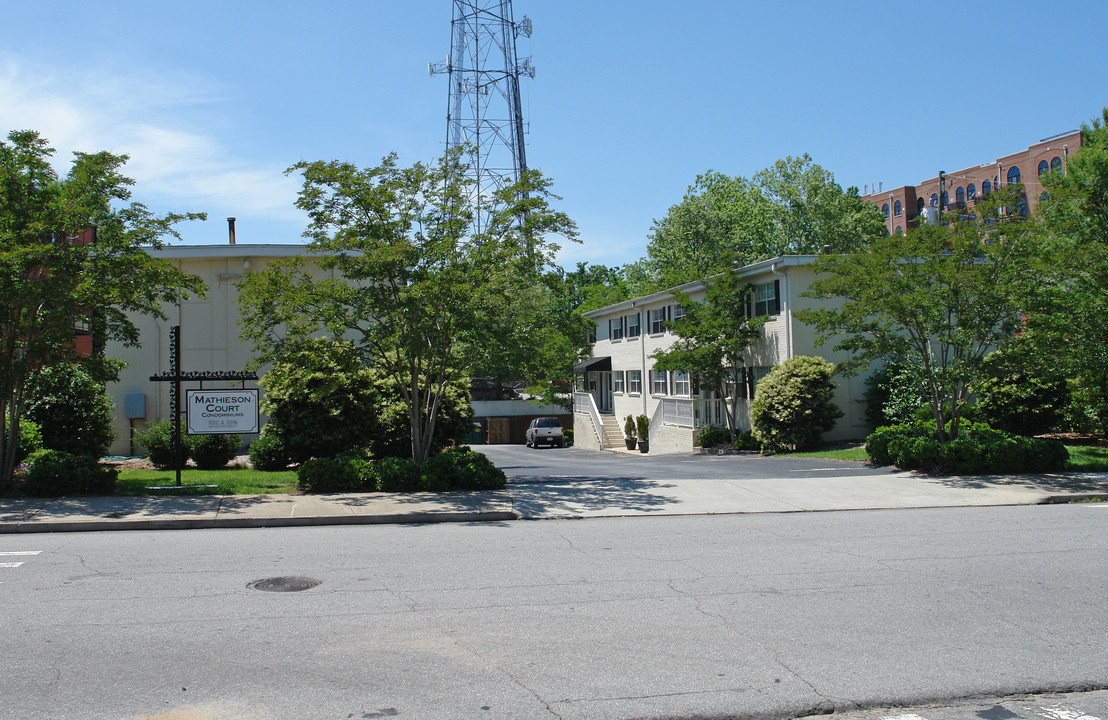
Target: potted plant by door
{"type": "Point", "coordinates": [642, 426]}
{"type": "Point", "coordinates": [629, 432]}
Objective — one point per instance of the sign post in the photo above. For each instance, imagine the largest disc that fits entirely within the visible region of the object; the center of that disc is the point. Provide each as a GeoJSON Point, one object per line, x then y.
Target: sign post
{"type": "Point", "coordinates": [239, 414]}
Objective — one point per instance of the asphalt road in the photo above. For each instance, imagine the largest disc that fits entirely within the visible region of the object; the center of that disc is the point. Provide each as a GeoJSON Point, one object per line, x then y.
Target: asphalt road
{"type": "Point", "coordinates": [673, 617]}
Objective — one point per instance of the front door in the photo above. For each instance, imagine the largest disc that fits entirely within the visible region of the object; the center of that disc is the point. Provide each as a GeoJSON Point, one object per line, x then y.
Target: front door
{"type": "Point", "coordinates": [604, 399]}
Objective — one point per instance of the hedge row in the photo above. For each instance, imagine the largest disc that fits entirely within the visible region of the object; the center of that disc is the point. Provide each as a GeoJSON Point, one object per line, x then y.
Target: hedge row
{"type": "Point", "coordinates": [458, 468]}
{"type": "Point", "coordinates": [977, 450]}
{"type": "Point", "coordinates": [55, 473]}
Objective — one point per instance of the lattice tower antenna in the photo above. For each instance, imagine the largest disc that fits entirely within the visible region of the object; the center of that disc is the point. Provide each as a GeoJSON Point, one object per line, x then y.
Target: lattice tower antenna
{"type": "Point", "coordinates": [483, 113]}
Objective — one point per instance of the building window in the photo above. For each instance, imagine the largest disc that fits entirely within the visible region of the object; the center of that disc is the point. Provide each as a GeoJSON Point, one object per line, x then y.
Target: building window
{"type": "Point", "coordinates": [898, 208]}
{"type": "Point", "coordinates": [1021, 207]}
{"type": "Point", "coordinates": [899, 230]}
{"type": "Point", "coordinates": [919, 206]}
{"type": "Point", "coordinates": [617, 381]}
{"type": "Point", "coordinates": [1044, 168]}
{"type": "Point", "coordinates": [634, 381]}
{"type": "Point", "coordinates": [659, 382]}
{"type": "Point", "coordinates": [971, 192]}
{"type": "Point", "coordinates": [986, 188]}
{"type": "Point", "coordinates": [934, 200]}
{"type": "Point", "coordinates": [678, 312]}
{"type": "Point", "coordinates": [751, 377]}
{"type": "Point", "coordinates": [885, 209]}
{"type": "Point", "coordinates": [1014, 175]}
{"type": "Point", "coordinates": [946, 200]}
{"type": "Point", "coordinates": [765, 299]}
{"type": "Point", "coordinates": [1056, 164]}
{"type": "Point", "coordinates": [592, 333]}
{"type": "Point", "coordinates": [633, 325]}
{"type": "Point", "coordinates": [616, 328]}
{"type": "Point", "coordinates": [960, 196]}
{"type": "Point", "coordinates": [681, 384]}
{"type": "Point", "coordinates": [657, 321]}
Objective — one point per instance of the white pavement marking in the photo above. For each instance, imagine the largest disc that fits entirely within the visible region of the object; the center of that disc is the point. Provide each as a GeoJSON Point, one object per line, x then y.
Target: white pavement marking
{"type": "Point", "coordinates": [909, 716]}
{"type": "Point", "coordinates": [19, 552]}
{"type": "Point", "coordinates": [1061, 713]}
{"type": "Point", "coordinates": [10, 564]}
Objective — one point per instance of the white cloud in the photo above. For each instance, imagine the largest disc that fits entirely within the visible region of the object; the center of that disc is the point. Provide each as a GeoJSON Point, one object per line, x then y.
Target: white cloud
{"type": "Point", "coordinates": [165, 125]}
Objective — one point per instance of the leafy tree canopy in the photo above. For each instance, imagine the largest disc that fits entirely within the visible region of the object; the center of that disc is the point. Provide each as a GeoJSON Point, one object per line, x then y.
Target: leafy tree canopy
{"type": "Point", "coordinates": [794, 207]}
{"type": "Point", "coordinates": [937, 299]}
{"type": "Point", "coordinates": [1073, 220]}
{"type": "Point", "coordinates": [414, 288]}
{"type": "Point", "coordinates": [51, 281]}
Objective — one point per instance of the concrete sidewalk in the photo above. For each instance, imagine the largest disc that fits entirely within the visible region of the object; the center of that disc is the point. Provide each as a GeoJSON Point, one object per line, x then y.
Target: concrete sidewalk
{"type": "Point", "coordinates": [542, 500]}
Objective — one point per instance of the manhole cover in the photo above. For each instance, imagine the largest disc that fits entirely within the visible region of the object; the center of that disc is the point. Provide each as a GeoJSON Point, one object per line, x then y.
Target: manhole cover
{"type": "Point", "coordinates": [284, 584]}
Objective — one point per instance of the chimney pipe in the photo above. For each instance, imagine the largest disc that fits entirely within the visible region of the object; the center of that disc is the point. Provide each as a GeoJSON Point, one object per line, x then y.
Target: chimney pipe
{"type": "Point", "coordinates": [231, 229]}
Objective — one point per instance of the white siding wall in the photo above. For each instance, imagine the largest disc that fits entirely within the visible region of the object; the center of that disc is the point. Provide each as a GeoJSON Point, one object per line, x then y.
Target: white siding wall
{"type": "Point", "coordinates": [782, 337]}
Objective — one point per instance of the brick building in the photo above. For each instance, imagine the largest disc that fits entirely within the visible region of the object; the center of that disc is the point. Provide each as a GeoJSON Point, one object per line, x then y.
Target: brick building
{"type": "Point", "coordinates": [904, 205]}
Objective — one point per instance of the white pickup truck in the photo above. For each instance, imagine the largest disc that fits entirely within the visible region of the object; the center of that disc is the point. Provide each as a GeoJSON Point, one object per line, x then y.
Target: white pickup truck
{"type": "Point", "coordinates": [545, 431]}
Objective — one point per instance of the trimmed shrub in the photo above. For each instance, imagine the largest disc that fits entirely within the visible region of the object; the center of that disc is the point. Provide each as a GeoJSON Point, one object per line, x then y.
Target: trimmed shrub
{"type": "Point", "coordinates": [396, 474]}
{"type": "Point", "coordinates": [30, 438]}
{"type": "Point", "coordinates": [1018, 398]}
{"type": "Point", "coordinates": [461, 468]}
{"type": "Point", "coordinates": [54, 473]}
{"type": "Point", "coordinates": [978, 449]}
{"type": "Point", "coordinates": [792, 407]}
{"type": "Point", "coordinates": [158, 441]}
{"type": "Point", "coordinates": [320, 400]}
{"type": "Point", "coordinates": [710, 436]}
{"type": "Point", "coordinates": [642, 427]}
{"type": "Point", "coordinates": [72, 408]}
{"type": "Point", "coordinates": [268, 453]}
{"type": "Point", "coordinates": [894, 394]}
{"type": "Point", "coordinates": [746, 441]}
{"type": "Point", "coordinates": [327, 475]}
{"type": "Point", "coordinates": [211, 452]}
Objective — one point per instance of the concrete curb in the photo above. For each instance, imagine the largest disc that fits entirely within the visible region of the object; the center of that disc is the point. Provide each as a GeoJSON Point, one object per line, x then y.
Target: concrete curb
{"type": "Point", "coordinates": [10, 528]}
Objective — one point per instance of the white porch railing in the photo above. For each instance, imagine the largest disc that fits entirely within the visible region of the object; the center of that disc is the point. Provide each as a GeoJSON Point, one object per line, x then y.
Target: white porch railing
{"type": "Point", "coordinates": [679, 412]}
{"type": "Point", "coordinates": [711, 412]}
{"type": "Point", "coordinates": [584, 402]}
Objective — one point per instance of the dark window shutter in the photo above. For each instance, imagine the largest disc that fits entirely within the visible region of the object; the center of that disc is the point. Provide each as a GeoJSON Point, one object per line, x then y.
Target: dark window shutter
{"type": "Point", "coordinates": [776, 297]}
{"type": "Point", "coordinates": [609, 328]}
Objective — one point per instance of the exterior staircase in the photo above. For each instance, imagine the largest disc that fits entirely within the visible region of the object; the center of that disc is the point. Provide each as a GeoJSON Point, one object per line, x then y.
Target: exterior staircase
{"type": "Point", "coordinates": [611, 432]}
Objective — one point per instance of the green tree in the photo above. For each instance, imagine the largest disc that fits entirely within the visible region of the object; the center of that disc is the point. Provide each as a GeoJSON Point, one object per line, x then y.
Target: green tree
{"type": "Point", "coordinates": [414, 288]}
{"type": "Point", "coordinates": [1073, 219]}
{"type": "Point", "coordinates": [393, 436]}
{"type": "Point", "coordinates": [50, 281]}
{"type": "Point", "coordinates": [937, 299]}
{"type": "Point", "coordinates": [72, 408]}
{"type": "Point", "coordinates": [794, 207]}
{"type": "Point", "coordinates": [792, 407]}
{"type": "Point", "coordinates": [713, 339]}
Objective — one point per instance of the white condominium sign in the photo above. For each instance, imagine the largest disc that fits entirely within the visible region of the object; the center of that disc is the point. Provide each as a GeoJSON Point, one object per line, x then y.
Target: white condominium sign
{"type": "Point", "coordinates": [218, 412]}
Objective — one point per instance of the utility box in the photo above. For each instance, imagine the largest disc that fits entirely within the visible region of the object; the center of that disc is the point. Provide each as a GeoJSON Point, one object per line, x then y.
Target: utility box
{"type": "Point", "coordinates": [134, 406]}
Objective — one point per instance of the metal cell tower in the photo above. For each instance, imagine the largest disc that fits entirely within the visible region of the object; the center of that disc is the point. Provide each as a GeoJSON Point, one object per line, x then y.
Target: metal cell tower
{"type": "Point", "coordinates": [484, 112]}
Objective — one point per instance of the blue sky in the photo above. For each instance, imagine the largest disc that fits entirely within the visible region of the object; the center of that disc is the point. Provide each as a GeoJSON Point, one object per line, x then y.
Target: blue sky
{"type": "Point", "coordinates": [631, 100]}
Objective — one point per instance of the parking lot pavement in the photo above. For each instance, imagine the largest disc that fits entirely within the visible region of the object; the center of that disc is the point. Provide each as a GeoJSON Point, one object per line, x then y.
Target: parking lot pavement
{"type": "Point", "coordinates": [573, 482]}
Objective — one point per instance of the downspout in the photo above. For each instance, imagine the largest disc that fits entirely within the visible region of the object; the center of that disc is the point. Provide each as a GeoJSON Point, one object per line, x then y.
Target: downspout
{"type": "Point", "coordinates": [643, 325]}
{"type": "Point", "coordinates": [787, 308]}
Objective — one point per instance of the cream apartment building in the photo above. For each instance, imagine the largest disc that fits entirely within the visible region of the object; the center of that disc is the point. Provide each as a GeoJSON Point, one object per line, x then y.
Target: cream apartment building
{"type": "Point", "coordinates": [619, 378]}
